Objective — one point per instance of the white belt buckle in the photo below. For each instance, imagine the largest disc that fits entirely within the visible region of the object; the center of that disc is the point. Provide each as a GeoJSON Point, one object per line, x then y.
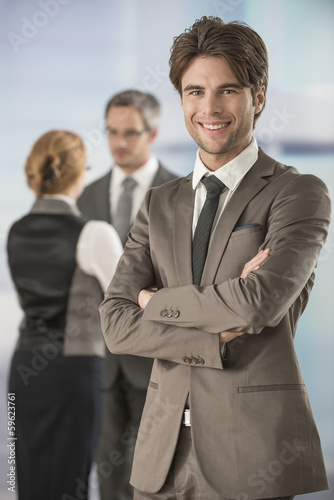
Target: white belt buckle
{"type": "Point", "coordinates": [186, 418]}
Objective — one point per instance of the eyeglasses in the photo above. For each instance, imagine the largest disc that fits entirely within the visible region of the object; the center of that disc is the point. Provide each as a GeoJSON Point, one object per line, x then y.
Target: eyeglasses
{"type": "Point", "coordinates": [128, 135]}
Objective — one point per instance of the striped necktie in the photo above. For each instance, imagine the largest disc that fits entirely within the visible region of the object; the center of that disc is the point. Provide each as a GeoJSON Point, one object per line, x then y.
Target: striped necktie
{"type": "Point", "coordinates": [214, 188]}
{"type": "Point", "coordinates": [122, 218]}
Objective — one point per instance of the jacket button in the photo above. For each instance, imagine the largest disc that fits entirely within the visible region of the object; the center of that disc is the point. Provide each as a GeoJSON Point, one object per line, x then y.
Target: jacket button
{"type": "Point", "coordinates": [170, 313]}
{"type": "Point", "coordinates": [198, 361]}
{"type": "Point", "coordinates": [163, 313]}
{"type": "Point", "coordinates": [187, 360]}
{"type": "Point", "coordinates": [176, 314]}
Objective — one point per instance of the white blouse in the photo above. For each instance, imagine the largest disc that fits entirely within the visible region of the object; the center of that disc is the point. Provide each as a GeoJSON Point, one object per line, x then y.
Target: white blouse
{"type": "Point", "coordinates": [98, 251]}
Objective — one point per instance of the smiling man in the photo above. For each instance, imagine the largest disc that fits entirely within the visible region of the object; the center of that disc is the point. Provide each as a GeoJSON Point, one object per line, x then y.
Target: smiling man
{"type": "Point", "coordinates": [218, 110]}
{"type": "Point", "coordinates": [227, 415]}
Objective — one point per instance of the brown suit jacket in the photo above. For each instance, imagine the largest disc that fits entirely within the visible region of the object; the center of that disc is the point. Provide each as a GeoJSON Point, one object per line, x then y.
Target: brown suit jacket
{"type": "Point", "coordinates": [253, 430]}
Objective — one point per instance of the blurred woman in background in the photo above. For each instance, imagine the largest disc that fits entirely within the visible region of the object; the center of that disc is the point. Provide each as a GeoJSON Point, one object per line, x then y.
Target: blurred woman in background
{"type": "Point", "coordinates": [60, 265]}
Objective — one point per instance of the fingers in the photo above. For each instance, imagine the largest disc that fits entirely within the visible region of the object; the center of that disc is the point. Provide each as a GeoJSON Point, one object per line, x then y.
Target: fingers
{"type": "Point", "coordinates": [259, 258]}
{"type": "Point", "coordinates": [255, 263]}
{"type": "Point", "coordinates": [144, 297]}
{"type": "Point", "coordinates": [228, 336]}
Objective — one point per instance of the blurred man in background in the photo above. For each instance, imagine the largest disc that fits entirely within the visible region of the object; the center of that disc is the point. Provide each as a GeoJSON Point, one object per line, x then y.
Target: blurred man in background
{"type": "Point", "coordinates": [132, 121]}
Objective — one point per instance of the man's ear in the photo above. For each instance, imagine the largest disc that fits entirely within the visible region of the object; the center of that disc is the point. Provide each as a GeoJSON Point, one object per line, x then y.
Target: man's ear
{"type": "Point", "coordinates": [260, 100]}
{"type": "Point", "coordinates": [153, 134]}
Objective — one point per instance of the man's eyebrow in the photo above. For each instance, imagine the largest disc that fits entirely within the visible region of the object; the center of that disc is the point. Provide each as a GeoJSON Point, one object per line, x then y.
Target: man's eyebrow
{"type": "Point", "coordinates": [192, 87]}
{"type": "Point", "coordinates": [233, 85]}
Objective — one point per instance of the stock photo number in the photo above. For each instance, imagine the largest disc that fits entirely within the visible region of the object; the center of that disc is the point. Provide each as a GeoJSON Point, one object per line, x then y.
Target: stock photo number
{"type": "Point", "coordinates": [11, 444]}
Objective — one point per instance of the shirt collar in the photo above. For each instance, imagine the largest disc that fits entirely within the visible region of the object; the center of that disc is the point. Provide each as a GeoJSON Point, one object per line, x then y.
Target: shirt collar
{"type": "Point", "coordinates": [61, 197]}
{"type": "Point", "coordinates": [147, 170]}
{"type": "Point", "coordinates": [232, 172]}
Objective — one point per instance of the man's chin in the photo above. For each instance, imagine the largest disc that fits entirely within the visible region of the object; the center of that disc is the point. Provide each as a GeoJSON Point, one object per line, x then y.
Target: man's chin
{"type": "Point", "coordinates": [214, 150]}
{"type": "Point", "coordinates": [122, 161]}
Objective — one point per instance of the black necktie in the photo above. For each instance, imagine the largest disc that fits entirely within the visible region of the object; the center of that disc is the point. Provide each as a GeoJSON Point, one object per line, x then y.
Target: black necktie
{"type": "Point", "coordinates": [122, 217]}
{"type": "Point", "coordinates": [214, 188]}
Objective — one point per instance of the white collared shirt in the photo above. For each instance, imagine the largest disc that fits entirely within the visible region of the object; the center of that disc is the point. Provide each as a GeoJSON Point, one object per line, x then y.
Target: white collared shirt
{"type": "Point", "coordinates": [231, 174]}
{"type": "Point", "coordinates": [98, 249]}
{"type": "Point", "coordinates": [143, 176]}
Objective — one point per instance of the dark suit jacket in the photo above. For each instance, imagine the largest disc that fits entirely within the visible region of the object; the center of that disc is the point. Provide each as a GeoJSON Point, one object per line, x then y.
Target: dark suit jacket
{"type": "Point", "coordinates": [95, 204]}
{"type": "Point", "coordinates": [250, 412]}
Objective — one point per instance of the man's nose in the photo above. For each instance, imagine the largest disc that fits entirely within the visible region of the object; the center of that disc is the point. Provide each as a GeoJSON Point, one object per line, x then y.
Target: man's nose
{"type": "Point", "coordinates": [120, 139]}
{"type": "Point", "coordinates": [212, 104]}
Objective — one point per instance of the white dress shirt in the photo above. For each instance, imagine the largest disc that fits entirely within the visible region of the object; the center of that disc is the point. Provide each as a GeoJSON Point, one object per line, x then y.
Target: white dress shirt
{"type": "Point", "coordinates": [231, 174]}
{"type": "Point", "coordinates": [98, 249]}
{"type": "Point", "coordinates": [143, 176]}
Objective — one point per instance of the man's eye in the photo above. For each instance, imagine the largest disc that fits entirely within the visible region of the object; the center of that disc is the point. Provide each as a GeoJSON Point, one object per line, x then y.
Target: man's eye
{"type": "Point", "coordinates": [196, 92]}
{"type": "Point", "coordinates": [129, 134]}
{"type": "Point", "coordinates": [111, 131]}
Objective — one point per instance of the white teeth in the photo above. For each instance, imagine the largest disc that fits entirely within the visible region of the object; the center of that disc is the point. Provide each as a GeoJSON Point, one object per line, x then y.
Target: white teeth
{"type": "Point", "coordinates": [215, 127]}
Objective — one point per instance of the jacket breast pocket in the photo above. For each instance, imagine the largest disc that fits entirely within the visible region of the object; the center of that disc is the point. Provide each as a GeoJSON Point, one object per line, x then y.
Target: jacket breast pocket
{"type": "Point", "coordinates": [247, 229]}
{"type": "Point", "coordinates": [242, 246]}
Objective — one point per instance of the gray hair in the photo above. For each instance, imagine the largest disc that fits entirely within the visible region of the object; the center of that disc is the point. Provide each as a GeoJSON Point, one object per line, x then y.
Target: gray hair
{"type": "Point", "coordinates": [147, 105]}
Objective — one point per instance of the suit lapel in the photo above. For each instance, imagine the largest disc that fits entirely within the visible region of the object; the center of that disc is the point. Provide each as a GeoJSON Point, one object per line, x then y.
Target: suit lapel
{"type": "Point", "coordinates": [159, 177]}
{"type": "Point", "coordinates": [156, 179]}
{"type": "Point", "coordinates": [105, 197]}
{"type": "Point", "coordinates": [250, 186]}
{"type": "Point", "coordinates": [182, 231]}
{"type": "Point", "coordinates": [253, 182]}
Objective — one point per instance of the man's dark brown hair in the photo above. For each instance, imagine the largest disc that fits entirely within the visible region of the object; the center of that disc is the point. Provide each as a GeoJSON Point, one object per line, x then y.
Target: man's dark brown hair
{"type": "Point", "coordinates": [243, 49]}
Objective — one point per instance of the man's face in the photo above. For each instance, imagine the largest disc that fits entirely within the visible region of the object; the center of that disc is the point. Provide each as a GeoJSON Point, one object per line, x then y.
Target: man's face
{"type": "Point", "coordinates": [129, 140]}
{"type": "Point", "coordinates": [218, 111]}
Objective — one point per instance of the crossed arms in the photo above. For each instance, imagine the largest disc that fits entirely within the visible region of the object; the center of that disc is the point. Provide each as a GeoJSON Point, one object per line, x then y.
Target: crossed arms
{"type": "Point", "coordinates": [146, 294]}
{"type": "Point", "coordinates": [296, 232]}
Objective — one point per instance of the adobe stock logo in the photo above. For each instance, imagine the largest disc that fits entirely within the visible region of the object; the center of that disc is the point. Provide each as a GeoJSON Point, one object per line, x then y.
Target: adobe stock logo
{"type": "Point", "coordinates": [31, 27]}
{"type": "Point", "coordinates": [226, 6]}
{"type": "Point", "coordinates": [278, 122]}
{"type": "Point", "coordinates": [289, 453]}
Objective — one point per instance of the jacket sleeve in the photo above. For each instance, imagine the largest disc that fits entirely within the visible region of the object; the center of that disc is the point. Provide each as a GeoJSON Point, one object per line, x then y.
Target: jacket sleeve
{"type": "Point", "coordinates": [297, 229]}
{"type": "Point", "coordinates": [123, 326]}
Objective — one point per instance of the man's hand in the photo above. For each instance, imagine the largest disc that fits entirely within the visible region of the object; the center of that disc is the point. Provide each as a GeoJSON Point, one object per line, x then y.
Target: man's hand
{"type": "Point", "coordinates": [145, 296]}
{"type": "Point", "coordinates": [252, 265]}
{"type": "Point", "coordinates": [255, 263]}
{"type": "Point", "coordinates": [228, 336]}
